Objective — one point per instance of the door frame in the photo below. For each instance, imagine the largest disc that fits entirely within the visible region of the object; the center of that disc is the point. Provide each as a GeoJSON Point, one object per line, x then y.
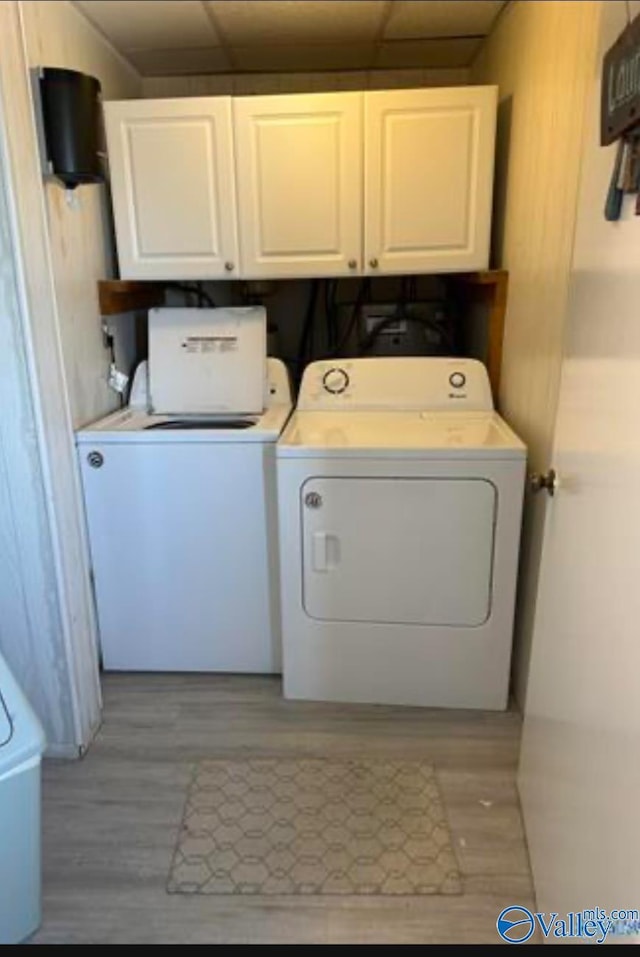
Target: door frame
{"type": "Point", "coordinates": [40, 332]}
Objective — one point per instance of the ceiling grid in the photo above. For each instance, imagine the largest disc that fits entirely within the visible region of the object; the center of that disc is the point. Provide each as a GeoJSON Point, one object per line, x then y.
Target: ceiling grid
{"type": "Point", "coordinates": [182, 37]}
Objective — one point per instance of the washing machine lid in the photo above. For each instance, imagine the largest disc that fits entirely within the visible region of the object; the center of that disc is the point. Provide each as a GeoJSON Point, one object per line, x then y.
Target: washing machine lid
{"type": "Point", "coordinates": [207, 361]}
{"type": "Point", "coordinates": [423, 435]}
{"type": "Point", "coordinates": [133, 425]}
{"type": "Point", "coordinates": [136, 424]}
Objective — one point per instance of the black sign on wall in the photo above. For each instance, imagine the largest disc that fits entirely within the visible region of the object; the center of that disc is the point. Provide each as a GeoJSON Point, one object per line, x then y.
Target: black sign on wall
{"type": "Point", "coordinates": [620, 102]}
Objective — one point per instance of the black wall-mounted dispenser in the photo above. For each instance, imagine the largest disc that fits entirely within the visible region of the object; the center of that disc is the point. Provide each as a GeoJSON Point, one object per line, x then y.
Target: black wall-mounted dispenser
{"type": "Point", "coordinates": [72, 126]}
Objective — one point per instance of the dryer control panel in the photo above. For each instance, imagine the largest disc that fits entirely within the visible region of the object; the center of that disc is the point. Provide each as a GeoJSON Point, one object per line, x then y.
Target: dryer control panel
{"type": "Point", "coordinates": [412, 382]}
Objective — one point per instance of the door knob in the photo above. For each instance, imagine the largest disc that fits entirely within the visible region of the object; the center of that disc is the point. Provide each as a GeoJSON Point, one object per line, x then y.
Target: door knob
{"type": "Point", "coordinates": [544, 480]}
{"type": "Point", "coordinates": [373, 263]}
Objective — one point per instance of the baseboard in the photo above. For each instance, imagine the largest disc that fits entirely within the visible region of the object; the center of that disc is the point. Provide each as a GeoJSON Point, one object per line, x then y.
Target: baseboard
{"type": "Point", "coordinates": [71, 752]}
{"type": "Point", "coordinates": [68, 752]}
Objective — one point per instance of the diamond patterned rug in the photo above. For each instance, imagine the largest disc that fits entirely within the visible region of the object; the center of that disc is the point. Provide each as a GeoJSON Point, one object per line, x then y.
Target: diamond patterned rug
{"type": "Point", "coordinates": [268, 826]}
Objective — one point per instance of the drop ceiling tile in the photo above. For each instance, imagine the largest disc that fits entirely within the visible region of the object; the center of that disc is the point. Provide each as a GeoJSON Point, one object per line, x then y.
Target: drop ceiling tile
{"type": "Point", "coordinates": [152, 24]}
{"type": "Point", "coordinates": [441, 18]}
{"type": "Point", "coordinates": [347, 56]}
{"type": "Point", "coordinates": [449, 52]}
{"type": "Point", "coordinates": [248, 22]}
{"type": "Point", "coordinates": [179, 62]}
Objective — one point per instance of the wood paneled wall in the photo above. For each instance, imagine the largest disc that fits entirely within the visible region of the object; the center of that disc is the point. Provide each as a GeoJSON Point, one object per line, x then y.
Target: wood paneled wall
{"type": "Point", "coordinates": [52, 361]}
{"type": "Point", "coordinates": [541, 55]}
{"type": "Point", "coordinates": [56, 34]}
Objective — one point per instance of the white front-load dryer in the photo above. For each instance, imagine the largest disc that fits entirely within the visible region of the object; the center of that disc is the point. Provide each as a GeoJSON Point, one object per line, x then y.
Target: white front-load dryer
{"type": "Point", "coordinates": [399, 501]}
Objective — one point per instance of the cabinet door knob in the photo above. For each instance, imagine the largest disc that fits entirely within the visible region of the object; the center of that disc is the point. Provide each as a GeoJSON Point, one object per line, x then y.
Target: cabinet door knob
{"type": "Point", "coordinates": [229, 267]}
{"type": "Point", "coordinates": [373, 263]}
{"type": "Point", "coordinates": [353, 263]}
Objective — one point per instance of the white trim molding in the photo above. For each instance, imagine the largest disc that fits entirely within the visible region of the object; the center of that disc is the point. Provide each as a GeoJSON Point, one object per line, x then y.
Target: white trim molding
{"type": "Point", "coordinates": [73, 654]}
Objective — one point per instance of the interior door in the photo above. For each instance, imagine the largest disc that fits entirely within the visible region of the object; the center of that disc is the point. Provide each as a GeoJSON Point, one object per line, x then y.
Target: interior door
{"type": "Point", "coordinates": [579, 772]}
{"type": "Point", "coordinates": [428, 179]}
{"type": "Point", "coordinates": [408, 551]}
{"type": "Point", "coordinates": [172, 178]}
{"type": "Point", "coordinates": [299, 170]}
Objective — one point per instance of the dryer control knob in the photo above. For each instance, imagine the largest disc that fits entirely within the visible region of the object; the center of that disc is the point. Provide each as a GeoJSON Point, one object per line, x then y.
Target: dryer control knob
{"type": "Point", "coordinates": [458, 380]}
{"type": "Point", "coordinates": [335, 381]}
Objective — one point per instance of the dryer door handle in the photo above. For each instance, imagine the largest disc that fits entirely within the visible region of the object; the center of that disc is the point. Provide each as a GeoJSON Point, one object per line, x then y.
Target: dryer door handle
{"type": "Point", "coordinates": [326, 551]}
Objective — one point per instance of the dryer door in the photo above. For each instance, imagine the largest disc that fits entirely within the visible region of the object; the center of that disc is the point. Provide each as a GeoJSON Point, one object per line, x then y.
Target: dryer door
{"type": "Point", "coordinates": [404, 551]}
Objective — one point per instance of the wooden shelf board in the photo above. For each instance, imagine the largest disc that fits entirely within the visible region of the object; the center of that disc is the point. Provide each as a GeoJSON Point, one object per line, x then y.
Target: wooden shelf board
{"type": "Point", "coordinates": [118, 295]}
{"type": "Point", "coordinates": [486, 277]}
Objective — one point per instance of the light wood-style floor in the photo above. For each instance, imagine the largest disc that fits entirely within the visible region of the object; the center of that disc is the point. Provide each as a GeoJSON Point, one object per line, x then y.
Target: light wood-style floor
{"type": "Point", "coordinates": [110, 821]}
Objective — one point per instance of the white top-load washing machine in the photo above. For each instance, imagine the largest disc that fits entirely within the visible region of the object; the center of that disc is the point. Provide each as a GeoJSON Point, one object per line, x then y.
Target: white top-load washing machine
{"type": "Point", "coordinates": [399, 499]}
{"type": "Point", "coordinates": [180, 501]}
{"type": "Point", "coordinates": [22, 743]}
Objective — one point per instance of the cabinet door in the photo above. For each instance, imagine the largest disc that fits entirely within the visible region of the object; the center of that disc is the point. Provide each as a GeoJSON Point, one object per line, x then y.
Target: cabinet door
{"type": "Point", "coordinates": [299, 173]}
{"type": "Point", "coordinates": [172, 179]}
{"type": "Point", "coordinates": [428, 179]}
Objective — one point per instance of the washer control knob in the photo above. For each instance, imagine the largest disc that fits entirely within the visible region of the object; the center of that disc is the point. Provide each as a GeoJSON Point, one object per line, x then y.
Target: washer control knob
{"type": "Point", "coordinates": [457, 380]}
{"type": "Point", "coordinates": [335, 381]}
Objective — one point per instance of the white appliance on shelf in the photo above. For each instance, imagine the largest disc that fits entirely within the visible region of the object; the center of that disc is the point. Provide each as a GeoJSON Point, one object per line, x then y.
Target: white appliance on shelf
{"type": "Point", "coordinates": [399, 500]}
{"type": "Point", "coordinates": [182, 526]}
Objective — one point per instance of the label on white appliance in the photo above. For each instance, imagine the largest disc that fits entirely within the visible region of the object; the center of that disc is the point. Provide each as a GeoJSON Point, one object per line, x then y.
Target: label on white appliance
{"type": "Point", "coordinates": [200, 344]}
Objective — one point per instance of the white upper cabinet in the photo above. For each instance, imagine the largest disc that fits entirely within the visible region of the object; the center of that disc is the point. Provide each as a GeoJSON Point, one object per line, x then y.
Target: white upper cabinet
{"type": "Point", "coordinates": [172, 176]}
{"type": "Point", "coordinates": [299, 175]}
{"type": "Point", "coordinates": [322, 184]}
{"type": "Point", "coordinates": [428, 179]}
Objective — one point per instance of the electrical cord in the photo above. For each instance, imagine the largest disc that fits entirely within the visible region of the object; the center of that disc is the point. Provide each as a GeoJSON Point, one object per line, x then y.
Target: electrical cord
{"type": "Point", "coordinates": [327, 287]}
{"type": "Point", "coordinates": [330, 293]}
{"type": "Point", "coordinates": [110, 346]}
{"type": "Point", "coordinates": [363, 293]}
{"type": "Point", "coordinates": [197, 290]}
{"type": "Point", "coordinates": [305, 336]}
